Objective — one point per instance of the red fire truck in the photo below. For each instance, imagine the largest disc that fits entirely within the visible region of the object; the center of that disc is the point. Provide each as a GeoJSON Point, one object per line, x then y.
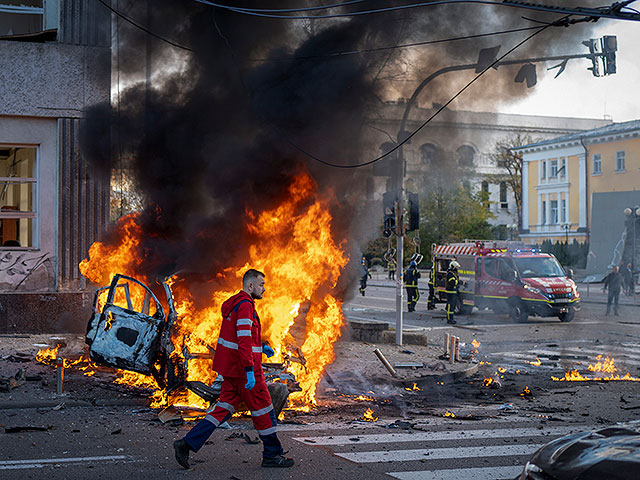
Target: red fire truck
{"type": "Point", "coordinates": [507, 277]}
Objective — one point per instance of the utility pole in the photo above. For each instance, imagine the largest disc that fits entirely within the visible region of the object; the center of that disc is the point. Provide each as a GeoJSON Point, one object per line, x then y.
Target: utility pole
{"type": "Point", "coordinates": [399, 241]}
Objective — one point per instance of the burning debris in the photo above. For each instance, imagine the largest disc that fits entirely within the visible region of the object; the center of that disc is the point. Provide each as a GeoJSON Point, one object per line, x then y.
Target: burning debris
{"type": "Point", "coordinates": [602, 370]}
{"type": "Point", "coordinates": [368, 416]}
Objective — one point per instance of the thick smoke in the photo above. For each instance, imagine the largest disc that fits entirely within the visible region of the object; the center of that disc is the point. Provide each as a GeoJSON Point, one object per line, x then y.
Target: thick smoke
{"type": "Point", "coordinates": [221, 128]}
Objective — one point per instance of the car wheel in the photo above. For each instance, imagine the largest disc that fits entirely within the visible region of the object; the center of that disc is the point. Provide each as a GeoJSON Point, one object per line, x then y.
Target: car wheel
{"type": "Point", "coordinates": [567, 316]}
{"type": "Point", "coordinates": [518, 313]}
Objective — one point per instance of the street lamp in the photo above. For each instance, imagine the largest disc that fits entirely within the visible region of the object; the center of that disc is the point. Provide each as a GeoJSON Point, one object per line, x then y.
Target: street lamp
{"type": "Point", "coordinates": [632, 215]}
{"type": "Point", "coordinates": [566, 227]}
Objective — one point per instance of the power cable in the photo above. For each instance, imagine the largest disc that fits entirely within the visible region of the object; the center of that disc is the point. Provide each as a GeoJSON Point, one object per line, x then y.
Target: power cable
{"type": "Point", "coordinates": [144, 29]}
{"type": "Point", "coordinates": [424, 124]}
{"type": "Point", "coordinates": [612, 11]}
{"type": "Point", "coordinates": [392, 47]}
{"type": "Point", "coordinates": [284, 10]}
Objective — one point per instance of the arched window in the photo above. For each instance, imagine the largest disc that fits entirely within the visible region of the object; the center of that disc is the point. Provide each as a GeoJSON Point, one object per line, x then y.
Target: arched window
{"type": "Point", "coordinates": [503, 195]}
{"type": "Point", "coordinates": [466, 155]}
{"type": "Point", "coordinates": [430, 154]}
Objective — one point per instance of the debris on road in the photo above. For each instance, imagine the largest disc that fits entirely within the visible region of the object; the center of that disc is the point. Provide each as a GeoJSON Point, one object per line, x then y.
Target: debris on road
{"type": "Point", "coordinates": [385, 362]}
{"type": "Point", "coordinates": [8, 384]}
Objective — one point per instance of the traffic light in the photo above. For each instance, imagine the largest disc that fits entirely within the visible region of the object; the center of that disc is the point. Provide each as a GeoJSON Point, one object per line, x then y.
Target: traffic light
{"type": "Point", "coordinates": [594, 50]}
{"type": "Point", "coordinates": [389, 210]}
{"type": "Point", "coordinates": [609, 48]}
{"type": "Point", "coordinates": [414, 212]}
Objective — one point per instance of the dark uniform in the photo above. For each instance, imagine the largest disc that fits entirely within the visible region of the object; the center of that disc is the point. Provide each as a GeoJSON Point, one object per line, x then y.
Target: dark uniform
{"type": "Point", "coordinates": [364, 274]}
{"type": "Point", "coordinates": [452, 292]}
{"type": "Point", "coordinates": [431, 304]}
{"type": "Point", "coordinates": [613, 283]}
{"type": "Point", "coordinates": [411, 276]}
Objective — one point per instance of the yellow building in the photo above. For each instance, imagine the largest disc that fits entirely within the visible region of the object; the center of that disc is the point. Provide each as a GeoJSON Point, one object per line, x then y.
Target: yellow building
{"type": "Point", "coordinates": [560, 176]}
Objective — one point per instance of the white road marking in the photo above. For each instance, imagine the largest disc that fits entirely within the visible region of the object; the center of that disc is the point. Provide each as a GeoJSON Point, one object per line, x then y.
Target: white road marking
{"type": "Point", "coordinates": [480, 473]}
{"type": "Point", "coordinates": [41, 462]}
{"type": "Point", "coordinates": [437, 436]}
{"type": "Point", "coordinates": [439, 453]}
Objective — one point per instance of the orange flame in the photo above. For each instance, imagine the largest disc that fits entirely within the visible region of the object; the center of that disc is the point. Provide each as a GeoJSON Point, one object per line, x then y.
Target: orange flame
{"type": "Point", "coordinates": [449, 414]}
{"type": "Point", "coordinates": [293, 245]}
{"type": "Point", "coordinates": [536, 363]}
{"type": "Point", "coordinates": [487, 381]}
{"type": "Point", "coordinates": [368, 416]}
{"type": "Point", "coordinates": [413, 387]}
{"type": "Point", "coordinates": [606, 368]}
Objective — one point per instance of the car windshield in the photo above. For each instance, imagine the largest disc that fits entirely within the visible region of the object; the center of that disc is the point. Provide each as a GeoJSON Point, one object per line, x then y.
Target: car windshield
{"type": "Point", "coordinates": [530, 267]}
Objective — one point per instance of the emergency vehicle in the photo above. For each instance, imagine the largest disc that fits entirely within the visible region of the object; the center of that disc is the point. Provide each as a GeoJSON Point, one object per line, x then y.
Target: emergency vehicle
{"type": "Point", "coordinates": [507, 277]}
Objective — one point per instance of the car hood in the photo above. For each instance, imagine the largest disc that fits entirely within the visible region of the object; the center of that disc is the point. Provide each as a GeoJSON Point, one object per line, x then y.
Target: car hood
{"type": "Point", "coordinates": [611, 453]}
{"type": "Point", "coordinates": [551, 284]}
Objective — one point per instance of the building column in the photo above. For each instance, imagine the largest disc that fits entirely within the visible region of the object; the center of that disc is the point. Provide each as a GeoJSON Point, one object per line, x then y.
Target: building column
{"type": "Point", "coordinates": [582, 190]}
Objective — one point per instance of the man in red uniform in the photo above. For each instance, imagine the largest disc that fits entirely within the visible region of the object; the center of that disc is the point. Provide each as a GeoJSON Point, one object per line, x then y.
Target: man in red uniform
{"type": "Point", "coordinates": [238, 359]}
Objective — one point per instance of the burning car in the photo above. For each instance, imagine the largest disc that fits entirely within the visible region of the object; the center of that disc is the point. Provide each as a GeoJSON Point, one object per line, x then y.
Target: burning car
{"type": "Point", "coordinates": [612, 452]}
{"type": "Point", "coordinates": [131, 330]}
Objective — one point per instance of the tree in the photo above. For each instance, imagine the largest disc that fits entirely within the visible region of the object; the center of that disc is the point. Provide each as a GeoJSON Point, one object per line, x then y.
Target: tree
{"type": "Point", "coordinates": [511, 161]}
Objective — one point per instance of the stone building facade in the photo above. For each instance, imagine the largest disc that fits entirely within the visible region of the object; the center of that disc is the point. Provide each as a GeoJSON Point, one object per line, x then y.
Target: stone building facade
{"type": "Point", "coordinates": [56, 61]}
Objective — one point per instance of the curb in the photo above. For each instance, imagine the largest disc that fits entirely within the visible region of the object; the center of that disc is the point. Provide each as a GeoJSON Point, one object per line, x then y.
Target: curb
{"type": "Point", "coordinates": [122, 402]}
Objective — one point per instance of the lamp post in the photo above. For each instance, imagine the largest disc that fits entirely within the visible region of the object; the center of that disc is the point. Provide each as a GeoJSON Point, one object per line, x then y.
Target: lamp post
{"type": "Point", "coordinates": [632, 215]}
{"type": "Point", "coordinates": [566, 228]}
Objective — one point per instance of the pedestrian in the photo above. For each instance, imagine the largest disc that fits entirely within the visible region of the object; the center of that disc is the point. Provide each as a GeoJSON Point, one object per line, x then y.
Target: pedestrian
{"type": "Point", "coordinates": [627, 275]}
{"type": "Point", "coordinates": [431, 303]}
{"type": "Point", "coordinates": [452, 290]}
{"type": "Point", "coordinates": [391, 264]}
{"type": "Point", "coordinates": [364, 274]}
{"type": "Point", "coordinates": [239, 359]}
{"type": "Point", "coordinates": [411, 276]}
{"type": "Point", "coordinates": [613, 283]}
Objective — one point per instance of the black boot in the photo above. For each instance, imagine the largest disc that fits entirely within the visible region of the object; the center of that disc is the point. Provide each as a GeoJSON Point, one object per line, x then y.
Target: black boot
{"type": "Point", "coordinates": [278, 461]}
{"type": "Point", "coordinates": [182, 453]}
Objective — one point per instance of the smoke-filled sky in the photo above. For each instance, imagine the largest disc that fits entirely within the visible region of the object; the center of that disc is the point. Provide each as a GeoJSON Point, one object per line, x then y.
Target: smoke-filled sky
{"type": "Point", "coordinates": [224, 127]}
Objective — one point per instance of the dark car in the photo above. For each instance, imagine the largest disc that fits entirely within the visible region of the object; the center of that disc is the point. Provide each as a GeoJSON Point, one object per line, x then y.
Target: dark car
{"type": "Point", "coordinates": [609, 453]}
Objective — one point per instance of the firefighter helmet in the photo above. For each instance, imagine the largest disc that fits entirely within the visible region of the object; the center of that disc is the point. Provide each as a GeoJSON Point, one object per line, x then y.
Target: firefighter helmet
{"type": "Point", "coordinates": [454, 264]}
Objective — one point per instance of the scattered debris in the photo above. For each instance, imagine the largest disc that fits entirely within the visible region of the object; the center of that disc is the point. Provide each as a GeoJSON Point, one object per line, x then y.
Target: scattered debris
{"type": "Point", "coordinates": [385, 362]}
{"type": "Point", "coordinates": [18, 357]}
{"type": "Point", "coordinates": [409, 365]}
{"type": "Point", "coordinates": [8, 384]}
{"type": "Point", "coordinates": [400, 424]}
{"type": "Point", "coordinates": [507, 408]}
{"type": "Point", "coordinates": [60, 406]}
{"type": "Point", "coordinates": [28, 428]}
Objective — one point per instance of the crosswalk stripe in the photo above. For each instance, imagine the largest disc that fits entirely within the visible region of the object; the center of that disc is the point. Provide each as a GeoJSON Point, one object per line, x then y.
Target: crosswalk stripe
{"type": "Point", "coordinates": [480, 473]}
{"type": "Point", "coordinates": [436, 436]}
{"type": "Point", "coordinates": [439, 453]}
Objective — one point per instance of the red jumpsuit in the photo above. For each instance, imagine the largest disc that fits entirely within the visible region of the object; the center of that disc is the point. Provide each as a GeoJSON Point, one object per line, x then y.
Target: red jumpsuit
{"type": "Point", "coordinates": [240, 350]}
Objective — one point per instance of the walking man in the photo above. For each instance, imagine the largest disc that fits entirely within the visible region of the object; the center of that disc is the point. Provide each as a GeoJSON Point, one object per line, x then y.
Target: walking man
{"type": "Point", "coordinates": [627, 275]}
{"type": "Point", "coordinates": [431, 303]}
{"type": "Point", "coordinates": [411, 276]}
{"type": "Point", "coordinates": [613, 283]}
{"type": "Point", "coordinates": [239, 359]}
{"type": "Point", "coordinates": [364, 274]}
{"type": "Point", "coordinates": [452, 290]}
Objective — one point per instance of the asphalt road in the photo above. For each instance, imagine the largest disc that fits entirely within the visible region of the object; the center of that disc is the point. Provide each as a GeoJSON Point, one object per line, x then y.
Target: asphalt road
{"type": "Point", "coordinates": [489, 434]}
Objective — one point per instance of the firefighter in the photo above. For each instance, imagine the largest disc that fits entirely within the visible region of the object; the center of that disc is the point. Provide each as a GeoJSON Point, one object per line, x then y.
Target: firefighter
{"type": "Point", "coordinates": [239, 359]}
{"type": "Point", "coordinates": [431, 304]}
{"type": "Point", "coordinates": [364, 274]}
{"type": "Point", "coordinates": [452, 290]}
{"type": "Point", "coordinates": [392, 269]}
{"type": "Point", "coordinates": [411, 276]}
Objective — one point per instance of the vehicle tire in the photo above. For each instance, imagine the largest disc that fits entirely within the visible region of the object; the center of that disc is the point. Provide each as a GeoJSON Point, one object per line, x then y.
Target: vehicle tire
{"type": "Point", "coordinates": [567, 316]}
{"type": "Point", "coordinates": [462, 309]}
{"type": "Point", "coordinates": [518, 312]}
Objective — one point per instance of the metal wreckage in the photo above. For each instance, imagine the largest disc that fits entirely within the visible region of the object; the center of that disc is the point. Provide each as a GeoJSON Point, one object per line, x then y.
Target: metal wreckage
{"type": "Point", "coordinates": [124, 338]}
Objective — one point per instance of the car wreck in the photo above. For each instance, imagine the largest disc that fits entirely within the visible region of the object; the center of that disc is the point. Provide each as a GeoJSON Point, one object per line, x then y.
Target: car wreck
{"type": "Point", "coordinates": [138, 334]}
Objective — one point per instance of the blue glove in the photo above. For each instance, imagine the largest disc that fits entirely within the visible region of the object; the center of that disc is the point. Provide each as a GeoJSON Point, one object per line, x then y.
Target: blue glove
{"type": "Point", "coordinates": [268, 351]}
{"type": "Point", "coordinates": [251, 380]}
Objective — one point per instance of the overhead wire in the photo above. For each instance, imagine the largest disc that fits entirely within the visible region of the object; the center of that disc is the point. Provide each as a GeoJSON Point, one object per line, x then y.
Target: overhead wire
{"type": "Point", "coordinates": [284, 10]}
{"type": "Point", "coordinates": [428, 120]}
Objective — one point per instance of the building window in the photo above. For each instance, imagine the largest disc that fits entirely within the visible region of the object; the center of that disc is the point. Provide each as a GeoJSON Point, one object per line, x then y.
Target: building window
{"type": "Point", "coordinates": [543, 170]}
{"type": "Point", "coordinates": [620, 161]}
{"type": "Point", "coordinates": [562, 171]}
{"type": "Point", "coordinates": [553, 169]}
{"type": "Point", "coordinates": [485, 195]}
{"type": "Point", "coordinates": [563, 210]}
{"type": "Point", "coordinates": [597, 164]}
{"type": "Point", "coordinates": [553, 212]}
{"type": "Point", "coordinates": [17, 196]}
{"type": "Point", "coordinates": [544, 212]}
{"type": "Point", "coordinates": [466, 155]}
{"type": "Point", "coordinates": [430, 154]}
{"type": "Point", "coordinates": [503, 195]}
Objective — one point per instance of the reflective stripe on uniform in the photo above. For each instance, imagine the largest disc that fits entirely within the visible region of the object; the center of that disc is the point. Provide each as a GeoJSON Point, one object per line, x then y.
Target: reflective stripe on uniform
{"type": "Point", "coordinates": [212, 419]}
{"type": "Point", "coordinates": [244, 333]}
{"type": "Point", "coordinates": [244, 321]}
{"type": "Point", "coordinates": [226, 406]}
{"type": "Point", "coordinates": [262, 411]}
{"type": "Point", "coordinates": [225, 343]}
{"type": "Point", "coordinates": [267, 431]}
{"type": "Point", "coordinates": [256, 349]}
